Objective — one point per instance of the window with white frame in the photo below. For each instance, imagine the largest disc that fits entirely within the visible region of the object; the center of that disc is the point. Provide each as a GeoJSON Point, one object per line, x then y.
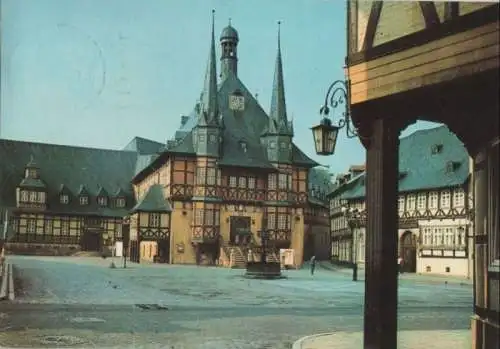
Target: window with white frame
{"type": "Point", "coordinates": [32, 196]}
{"type": "Point", "coordinates": [201, 173]}
{"type": "Point", "coordinates": [458, 198]}
{"type": "Point", "coordinates": [283, 181]}
{"type": "Point", "coordinates": [433, 200]}
{"type": "Point", "coordinates": [283, 221]}
{"type": "Point", "coordinates": [209, 217]}
{"type": "Point", "coordinates": [449, 236]}
{"type": "Point", "coordinates": [120, 202]}
{"type": "Point", "coordinates": [211, 176]}
{"type": "Point", "coordinates": [421, 201]}
{"type": "Point", "coordinates": [24, 196]}
{"type": "Point", "coordinates": [401, 203]}
{"type": "Point", "coordinates": [198, 217]}
{"type": "Point", "coordinates": [438, 238]}
{"type": "Point", "coordinates": [102, 201]}
{"type": "Point", "coordinates": [65, 227]}
{"type": "Point", "coordinates": [64, 199]}
{"type": "Point", "coordinates": [271, 221]}
{"type": "Point", "coordinates": [232, 181]}
{"type": "Point", "coordinates": [251, 183]}
{"type": "Point", "coordinates": [84, 200]}
{"type": "Point", "coordinates": [410, 201]}
{"type": "Point", "coordinates": [48, 226]}
{"type": "Point", "coordinates": [154, 220]}
{"type": "Point", "coordinates": [242, 182]}
{"type": "Point", "coordinates": [271, 181]}
{"type": "Point", "coordinates": [31, 226]}
{"type": "Point", "coordinates": [40, 197]}
{"type": "Point", "coordinates": [445, 199]}
{"type": "Point", "coordinates": [361, 251]}
{"type": "Point", "coordinates": [460, 238]}
{"type": "Point", "coordinates": [427, 237]}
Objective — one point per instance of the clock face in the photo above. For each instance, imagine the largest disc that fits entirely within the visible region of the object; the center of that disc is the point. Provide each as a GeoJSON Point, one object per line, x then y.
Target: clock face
{"type": "Point", "coordinates": [237, 102]}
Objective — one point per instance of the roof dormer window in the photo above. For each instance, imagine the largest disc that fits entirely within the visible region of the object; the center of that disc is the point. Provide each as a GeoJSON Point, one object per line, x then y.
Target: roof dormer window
{"type": "Point", "coordinates": [102, 201]}
{"type": "Point", "coordinates": [84, 200]}
{"type": "Point", "coordinates": [452, 166]}
{"type": "Point", "coordinates": [64, 199]}
{"type": "Point", "coordinates": [243, 146]}
{"type": "Point", "coordinates": [120, 202]}
{"type": "Point", "coordinates": [436, 149]}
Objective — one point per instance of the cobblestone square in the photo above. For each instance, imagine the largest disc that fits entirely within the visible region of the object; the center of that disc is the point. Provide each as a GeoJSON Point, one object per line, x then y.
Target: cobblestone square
{"type": "Point", "coordinates": [81, 302]}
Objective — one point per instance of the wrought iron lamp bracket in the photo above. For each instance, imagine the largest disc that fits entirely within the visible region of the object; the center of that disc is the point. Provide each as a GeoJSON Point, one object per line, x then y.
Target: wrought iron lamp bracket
{"type": "Point", "coordinates": [338, 95]}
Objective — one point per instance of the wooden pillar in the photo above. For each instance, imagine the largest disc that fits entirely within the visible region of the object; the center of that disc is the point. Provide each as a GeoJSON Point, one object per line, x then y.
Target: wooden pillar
{"type": "Point", "coordinates": [480, 246]}
{"type": "Point", "coordinates": [381, 274]}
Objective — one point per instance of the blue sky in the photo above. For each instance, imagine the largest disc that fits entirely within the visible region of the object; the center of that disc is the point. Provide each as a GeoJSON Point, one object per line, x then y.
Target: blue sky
{"type": "Point", "coordinates": [99, 72]}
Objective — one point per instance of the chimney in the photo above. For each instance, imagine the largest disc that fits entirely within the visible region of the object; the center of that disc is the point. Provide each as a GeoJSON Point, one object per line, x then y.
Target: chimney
{"type": "Point", "coordinates": [184, 119]}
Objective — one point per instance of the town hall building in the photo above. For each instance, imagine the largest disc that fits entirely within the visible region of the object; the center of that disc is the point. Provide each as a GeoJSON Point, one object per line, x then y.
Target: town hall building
{"type": "Point", "coordinates": [229, 179]}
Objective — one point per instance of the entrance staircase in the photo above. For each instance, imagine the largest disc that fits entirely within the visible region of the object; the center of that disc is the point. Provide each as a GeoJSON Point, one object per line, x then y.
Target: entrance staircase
{"type": "Point", "coordinates": [240, 254]}
{"type": "Point", "coordinates": [239, 257]}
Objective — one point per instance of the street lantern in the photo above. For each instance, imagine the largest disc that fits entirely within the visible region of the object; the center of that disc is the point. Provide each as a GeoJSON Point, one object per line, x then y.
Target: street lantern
{"type": "Point", "coordinates": [325, 137]}
{"type": "Point", "coordinates": [352, 215]}
{"type": "Point", "coordinates": [325, 134]}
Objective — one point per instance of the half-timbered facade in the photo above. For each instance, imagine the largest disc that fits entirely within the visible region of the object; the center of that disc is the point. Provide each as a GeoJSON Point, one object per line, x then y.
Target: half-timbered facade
{"type": "Point", "coordinates": [62, 199]}
{"type": "Point", "coordinates": [232, 171]}
{"type": "Point", "coordinates": [438, 61]}
{"type": "Point", "coordinates": [434, 207]}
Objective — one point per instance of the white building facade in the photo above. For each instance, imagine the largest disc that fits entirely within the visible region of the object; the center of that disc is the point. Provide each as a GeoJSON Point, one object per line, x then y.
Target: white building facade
{"type": "Point", "coordinates": [434, 205]}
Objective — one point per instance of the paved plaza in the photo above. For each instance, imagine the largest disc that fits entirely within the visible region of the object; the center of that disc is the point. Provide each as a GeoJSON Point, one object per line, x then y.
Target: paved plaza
{"type": "Point", "coordinates": [81, 302]}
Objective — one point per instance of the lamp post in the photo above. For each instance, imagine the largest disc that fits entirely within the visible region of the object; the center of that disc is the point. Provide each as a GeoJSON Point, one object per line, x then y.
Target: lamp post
{"type": "Point", "coordinates": [264, 237]}
{"type": "Point", "coordinates": [125, 239]}
{"type": "Point", "coordinates": [325, 134]}
{"type": "Point", "coordinates": [352, 216]}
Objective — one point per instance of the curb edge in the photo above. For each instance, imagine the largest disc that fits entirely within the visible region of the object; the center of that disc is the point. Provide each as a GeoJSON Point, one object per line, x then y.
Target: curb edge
{"type": "Point", "coordinates": [298, 343]}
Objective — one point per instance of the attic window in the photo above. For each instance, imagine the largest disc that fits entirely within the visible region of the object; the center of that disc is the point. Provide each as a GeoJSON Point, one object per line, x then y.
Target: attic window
{"type": "Point", "coordinates": [243, 146]}
{"type": "Point", "coordinates": [452, 166]}
{"type": "Point", "coordinates": [84, 200]}
{"type": "Point", "coordinates": [102, 201]}
{"type": "Point", "coordinates": [120, 202]}
{"type": "Point", "coordinates": [64, 199]}
{"type": "Point", "coordinates": [436, 148]}
{"type": "Point", "coordinates": [402, 174]}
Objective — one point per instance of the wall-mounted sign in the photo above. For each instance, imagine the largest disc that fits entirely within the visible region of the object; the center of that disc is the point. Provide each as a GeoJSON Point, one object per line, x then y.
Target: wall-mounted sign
{"type": "Point", "coordinates": [180, 247]}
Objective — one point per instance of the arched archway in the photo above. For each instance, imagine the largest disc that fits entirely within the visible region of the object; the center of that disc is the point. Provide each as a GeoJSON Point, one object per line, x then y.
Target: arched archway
{"type": "Point", "coordinates": [408, 248]}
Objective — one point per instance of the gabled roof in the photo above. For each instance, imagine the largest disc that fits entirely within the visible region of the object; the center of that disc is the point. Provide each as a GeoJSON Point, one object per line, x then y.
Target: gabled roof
{"type": "Point", "coordinates": [143, 146]}
{"type": "Point", "coordinates": [238, 127]}
{"type": "Point", "coordinates": [153, 201]}
{"type": "Point", "coordinates": [102, 192]}
{"type": "Point", "coordinates": [422, 167]}
{"type": "Point", "coordinates": [67, 167]}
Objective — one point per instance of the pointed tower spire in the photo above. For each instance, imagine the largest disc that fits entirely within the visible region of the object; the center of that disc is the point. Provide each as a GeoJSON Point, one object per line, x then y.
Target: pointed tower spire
{"type": "Point", "coordinates": [210, 105]}
{"type": "Point", "coordinates": [278, 104]}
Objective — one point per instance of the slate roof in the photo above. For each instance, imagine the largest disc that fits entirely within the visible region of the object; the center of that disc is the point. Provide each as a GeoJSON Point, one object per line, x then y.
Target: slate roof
{"type": "Point", "coordinates": [70, 170]}
{"type": "Point", "coordinates": [143, 146]}
{"type": "Point", "coordinates": [320, 185]}
{"type": "Point", "coordinates": [153, 201]}
{"type": "Point", "coordinates": [245, 127]}
{"type": "Point", "coordinates": [420, 169]}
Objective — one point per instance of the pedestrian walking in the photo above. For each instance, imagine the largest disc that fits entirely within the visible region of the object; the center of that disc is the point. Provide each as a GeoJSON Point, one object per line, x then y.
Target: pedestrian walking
{"type": "Point", "coordinates": [400, 265]}
{"type": "Point", "coordinates": [313, 264]}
